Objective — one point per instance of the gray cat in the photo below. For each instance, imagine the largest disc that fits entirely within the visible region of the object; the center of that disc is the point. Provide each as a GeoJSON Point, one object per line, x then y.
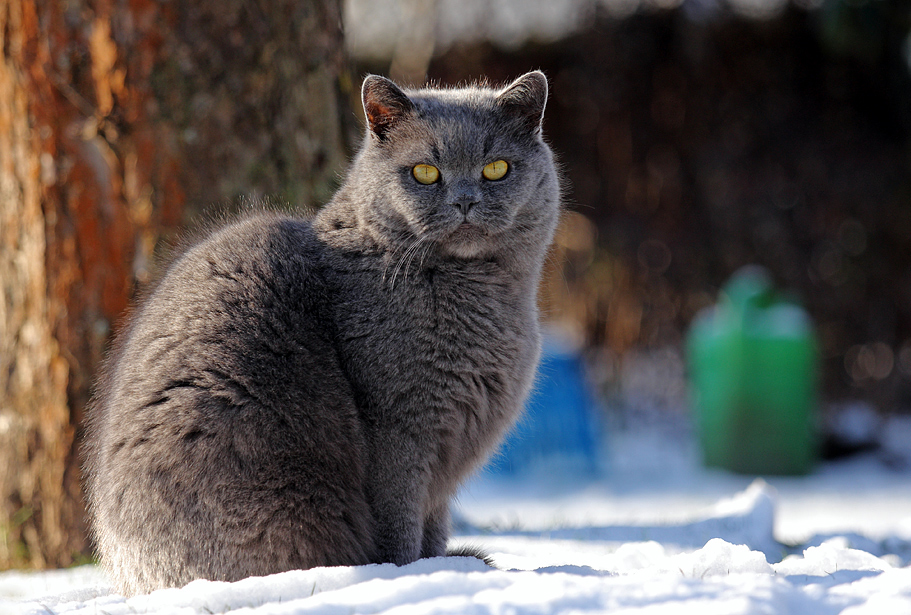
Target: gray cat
{"type": "Point", "coordinates": [297, 393]}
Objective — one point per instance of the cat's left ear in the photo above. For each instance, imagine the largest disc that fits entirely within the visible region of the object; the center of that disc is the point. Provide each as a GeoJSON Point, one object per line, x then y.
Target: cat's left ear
{"type": "Point", "coordinates": [526, 97]}
{"type": "Point", "coordinates": [384, 104]}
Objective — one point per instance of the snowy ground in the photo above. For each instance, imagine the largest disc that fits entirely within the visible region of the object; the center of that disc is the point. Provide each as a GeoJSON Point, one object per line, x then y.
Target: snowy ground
{"type": "Point", "coordinates": [655, 534]}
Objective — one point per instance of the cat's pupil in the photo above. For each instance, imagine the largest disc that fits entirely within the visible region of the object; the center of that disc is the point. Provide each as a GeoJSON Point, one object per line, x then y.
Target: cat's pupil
{"type": "Point", "coordinates": [496, 170]}
{"type": "Point", "coordinates": [426, 173]}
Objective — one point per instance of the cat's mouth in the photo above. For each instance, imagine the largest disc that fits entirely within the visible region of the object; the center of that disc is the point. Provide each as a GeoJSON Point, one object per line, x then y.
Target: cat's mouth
{"type": "Point", "coordinates": [467, 230]}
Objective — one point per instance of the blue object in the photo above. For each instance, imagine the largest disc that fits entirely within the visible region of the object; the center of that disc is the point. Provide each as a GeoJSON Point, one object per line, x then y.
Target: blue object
{"type": "Point", "coordinates": [560, 430]}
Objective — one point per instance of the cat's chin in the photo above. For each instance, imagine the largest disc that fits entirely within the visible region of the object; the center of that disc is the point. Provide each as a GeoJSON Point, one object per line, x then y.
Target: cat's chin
{"type": "Point", "coordinates": [466, 251]}
{"type": "Point", "coordinates": [466, 242]}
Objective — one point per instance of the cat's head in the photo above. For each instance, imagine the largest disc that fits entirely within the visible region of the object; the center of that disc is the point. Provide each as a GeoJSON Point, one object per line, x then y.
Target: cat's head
{"type": "Point", "coordinates": [464, 169]}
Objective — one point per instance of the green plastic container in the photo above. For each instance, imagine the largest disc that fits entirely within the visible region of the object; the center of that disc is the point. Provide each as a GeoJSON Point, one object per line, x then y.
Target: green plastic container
{"type": "Point", "coordinates": [753, 379]}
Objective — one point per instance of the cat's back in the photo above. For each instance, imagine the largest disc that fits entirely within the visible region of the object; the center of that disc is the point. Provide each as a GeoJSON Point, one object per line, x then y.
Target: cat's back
{"type": "Point", "coordinates": [252, 283]}
{"type": "Point", "coordinates": [226, 383]}
{"type": "Point", "coordinates": [245, 257]}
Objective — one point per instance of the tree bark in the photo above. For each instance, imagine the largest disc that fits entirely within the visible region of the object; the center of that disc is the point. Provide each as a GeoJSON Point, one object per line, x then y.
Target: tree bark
{"type": "Point", "coordinates": [118, 121]}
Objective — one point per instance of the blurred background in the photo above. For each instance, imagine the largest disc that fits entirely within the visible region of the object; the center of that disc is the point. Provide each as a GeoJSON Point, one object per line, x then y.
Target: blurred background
{"type": "Point", "coordinates": [695, 137]}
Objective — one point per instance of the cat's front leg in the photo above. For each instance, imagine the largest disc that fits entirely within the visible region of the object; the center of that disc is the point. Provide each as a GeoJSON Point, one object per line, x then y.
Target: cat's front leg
{"type": "Point", "coordinates": [397, 487]}
{"type": "Point", "coordinates": [398, 541]}
{"type": "Point", "coordinates": [437, 527]}
{"type": "Point", "coordinates": [398, 532]}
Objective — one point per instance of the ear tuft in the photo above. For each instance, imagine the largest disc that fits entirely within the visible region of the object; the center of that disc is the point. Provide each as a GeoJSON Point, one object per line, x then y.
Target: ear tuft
{"type": "Point", "coordinates": [526, 98]}
{"type": "Point", "coordinates": [384, 104]}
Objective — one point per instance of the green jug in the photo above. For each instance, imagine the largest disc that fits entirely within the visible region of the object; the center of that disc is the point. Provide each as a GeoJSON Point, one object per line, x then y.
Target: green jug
{"type": "Point", "coordinates": [753, 379]}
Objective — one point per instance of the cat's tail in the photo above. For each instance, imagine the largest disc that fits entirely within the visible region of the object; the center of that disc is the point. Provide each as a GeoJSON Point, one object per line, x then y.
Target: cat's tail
{"type": "Point", "coordinates": [470, 551]}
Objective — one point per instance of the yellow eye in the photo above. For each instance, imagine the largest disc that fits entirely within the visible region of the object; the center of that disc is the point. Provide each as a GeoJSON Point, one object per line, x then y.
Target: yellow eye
{"type": "Point", "coordinates": [496, 170]}
{"type": "Point", "coordinates": [426, 173]}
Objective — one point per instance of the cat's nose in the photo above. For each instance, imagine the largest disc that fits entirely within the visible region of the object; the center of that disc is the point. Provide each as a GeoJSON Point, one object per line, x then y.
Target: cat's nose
{"type": "Point", "coordinates": [464, 196]}
{"type": "Point", "coordinates": [465, 205]}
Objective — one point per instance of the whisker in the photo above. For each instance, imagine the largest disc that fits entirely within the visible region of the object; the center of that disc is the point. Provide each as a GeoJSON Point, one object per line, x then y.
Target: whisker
{"type": "Point", "coordinates": [415, 253]}
{"type": "Point", "coordinates": [409, 250]}
{"type": "Point", "coordinates": [424, 255]}
{"type": "Point", "coordinates": [391, 258]}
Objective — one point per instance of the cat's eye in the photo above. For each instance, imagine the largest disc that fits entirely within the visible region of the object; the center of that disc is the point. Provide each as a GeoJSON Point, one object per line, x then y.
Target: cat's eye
{"type": "Point", "coordinates": [426, 173]}
{"type": "Point", "coordinates": [495, 170]}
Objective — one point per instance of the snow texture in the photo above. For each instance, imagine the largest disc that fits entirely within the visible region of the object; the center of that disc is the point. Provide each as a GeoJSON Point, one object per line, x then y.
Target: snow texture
{"type": "Point", "coordinates": [645, 569]}
{"type": "Point", "coordinates": [658, 533]}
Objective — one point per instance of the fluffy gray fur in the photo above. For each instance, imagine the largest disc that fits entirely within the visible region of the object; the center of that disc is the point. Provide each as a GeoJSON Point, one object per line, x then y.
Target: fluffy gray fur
{"type": "Point", "coordinates": [297, 393]}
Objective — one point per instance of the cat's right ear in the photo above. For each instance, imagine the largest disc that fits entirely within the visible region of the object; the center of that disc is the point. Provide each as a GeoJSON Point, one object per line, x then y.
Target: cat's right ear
{"type": "Point", "coordinates": [526, 98]}
{"type": "Point", "coordinates": [384, 104]}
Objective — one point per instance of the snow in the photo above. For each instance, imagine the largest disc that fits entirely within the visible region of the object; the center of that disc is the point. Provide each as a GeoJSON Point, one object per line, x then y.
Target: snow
{"type": "Point", "coordinates": [657, 534]}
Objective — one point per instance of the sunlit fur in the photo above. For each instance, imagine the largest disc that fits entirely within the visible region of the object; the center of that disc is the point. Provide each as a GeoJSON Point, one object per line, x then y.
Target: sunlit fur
{"type": "Point", "coordinates": [299, 393]}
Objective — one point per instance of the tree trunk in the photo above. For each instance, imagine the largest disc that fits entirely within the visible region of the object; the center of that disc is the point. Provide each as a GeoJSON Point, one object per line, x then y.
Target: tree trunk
{"type": "Point", "coordinates": [116, 120]}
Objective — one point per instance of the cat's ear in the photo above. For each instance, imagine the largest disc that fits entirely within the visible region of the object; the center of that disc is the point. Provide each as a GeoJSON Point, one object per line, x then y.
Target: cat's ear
{"type": "Point", "coordinates": [526, 97]}
{"type": "Point", "coordinates": [384, 104]}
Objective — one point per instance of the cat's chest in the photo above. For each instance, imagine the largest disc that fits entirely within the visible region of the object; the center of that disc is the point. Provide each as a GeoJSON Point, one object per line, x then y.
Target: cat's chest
{"type": "Point", "coordinates": [460, 330]}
